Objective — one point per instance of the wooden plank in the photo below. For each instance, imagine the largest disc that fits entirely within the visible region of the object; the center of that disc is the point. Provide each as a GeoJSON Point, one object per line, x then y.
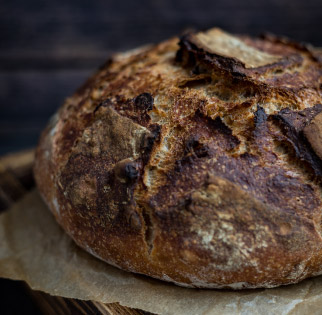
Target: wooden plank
{"type": "Point", "coordinates": [57, 305]}
{"type": "Point", "coordinates": [19, 166]}
{"type": "Point", "coordinates": [11, 169]}
{"type": "Point", "coordinates": [19, 163]}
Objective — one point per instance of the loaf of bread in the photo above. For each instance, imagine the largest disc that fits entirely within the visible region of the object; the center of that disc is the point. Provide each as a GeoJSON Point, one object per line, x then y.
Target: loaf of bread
{"type": "Point", "coordinates": [196, 161]}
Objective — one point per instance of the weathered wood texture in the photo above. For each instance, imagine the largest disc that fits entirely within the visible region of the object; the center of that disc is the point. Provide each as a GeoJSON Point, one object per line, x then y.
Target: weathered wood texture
{"type": "Point", "coordinates": [47, 48]}
{"type": "Point", "coordinates": [16, 180]}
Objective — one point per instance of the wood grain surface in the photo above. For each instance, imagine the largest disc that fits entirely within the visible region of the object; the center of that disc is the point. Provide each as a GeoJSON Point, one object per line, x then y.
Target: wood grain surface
{"type": "Point", "coordinates": [47, 48]}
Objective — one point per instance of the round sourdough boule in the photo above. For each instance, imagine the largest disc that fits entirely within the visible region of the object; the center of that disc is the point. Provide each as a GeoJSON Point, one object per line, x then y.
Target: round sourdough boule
{"type": "Point", "coordinates": [190, 162]}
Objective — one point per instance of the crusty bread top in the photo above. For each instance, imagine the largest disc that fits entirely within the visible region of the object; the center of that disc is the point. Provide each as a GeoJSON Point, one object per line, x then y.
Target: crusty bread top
{"type": "Point", "coordinates": [194, 163]}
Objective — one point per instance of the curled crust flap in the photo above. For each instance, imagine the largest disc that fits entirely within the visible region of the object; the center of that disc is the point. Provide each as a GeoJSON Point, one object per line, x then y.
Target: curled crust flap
{"type": "Point", "coordinates": [268, 63]}
{"type": "Point", "coordinates": [313, 133]}
{"type": "Point", "coordinates": [219, 42]}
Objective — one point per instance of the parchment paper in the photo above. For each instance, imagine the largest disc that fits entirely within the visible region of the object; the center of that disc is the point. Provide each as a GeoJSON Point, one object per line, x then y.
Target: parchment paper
{"type": "Point", "coordinates": [35, 249]}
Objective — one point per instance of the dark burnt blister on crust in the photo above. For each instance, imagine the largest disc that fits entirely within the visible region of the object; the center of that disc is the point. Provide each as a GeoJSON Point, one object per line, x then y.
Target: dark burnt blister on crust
{"type": "Point", "coordinates": [196, 163]}
{"type": "Point", "coordinates": [260, 116]}
{"type": "Point", "coordinates": [194, 147]}
{"type": "Point", "coordinates": [127, 170]}
{"type": "Point", "coordinates": [144, 101]}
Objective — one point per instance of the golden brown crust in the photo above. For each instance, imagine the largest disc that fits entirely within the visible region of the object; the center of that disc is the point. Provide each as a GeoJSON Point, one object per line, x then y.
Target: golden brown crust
{"type": "Point", "coordinates": [197, 164]}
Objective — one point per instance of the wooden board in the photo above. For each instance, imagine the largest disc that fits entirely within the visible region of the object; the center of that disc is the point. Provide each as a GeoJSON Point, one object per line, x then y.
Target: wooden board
{"type": "Point", "coordinates": [16, 180]}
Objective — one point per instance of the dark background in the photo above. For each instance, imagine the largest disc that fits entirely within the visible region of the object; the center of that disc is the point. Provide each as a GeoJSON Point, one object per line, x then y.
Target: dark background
{"type": "Point", "coordinates": [48, 48]}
